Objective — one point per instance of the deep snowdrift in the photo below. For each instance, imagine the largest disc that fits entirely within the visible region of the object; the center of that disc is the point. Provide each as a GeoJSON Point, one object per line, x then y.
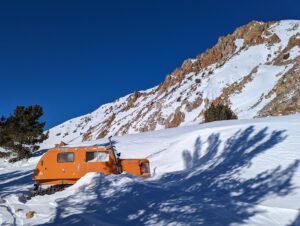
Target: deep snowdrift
{"type": "Point", "coordinates": [222, 173]}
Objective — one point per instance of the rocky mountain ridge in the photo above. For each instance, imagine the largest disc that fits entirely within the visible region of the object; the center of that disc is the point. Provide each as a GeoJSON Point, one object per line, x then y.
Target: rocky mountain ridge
{"type": "Point", "coordinates": [256, 70]}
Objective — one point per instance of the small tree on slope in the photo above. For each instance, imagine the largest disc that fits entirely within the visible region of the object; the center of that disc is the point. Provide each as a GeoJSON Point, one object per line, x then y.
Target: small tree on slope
{"type": "Point", "coordinates": [218, 112]}
{"type": "Point", "coordinates": [21, 132]}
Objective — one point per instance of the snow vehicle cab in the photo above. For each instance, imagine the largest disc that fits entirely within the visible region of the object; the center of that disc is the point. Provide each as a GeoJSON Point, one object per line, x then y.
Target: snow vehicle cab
{"type": "Point", "coordinates": [65, 165]}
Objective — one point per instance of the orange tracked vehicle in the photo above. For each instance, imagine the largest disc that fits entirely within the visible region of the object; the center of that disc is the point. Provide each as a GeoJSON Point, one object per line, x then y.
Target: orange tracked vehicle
{"type": "Point", "coordinates": [65, 165]}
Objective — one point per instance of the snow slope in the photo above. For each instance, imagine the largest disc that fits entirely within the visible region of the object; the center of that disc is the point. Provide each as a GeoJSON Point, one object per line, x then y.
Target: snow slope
{"type": "Point", "coordinates": [241, 172]}
{"type": "Point", "coordinates": [252, 76]}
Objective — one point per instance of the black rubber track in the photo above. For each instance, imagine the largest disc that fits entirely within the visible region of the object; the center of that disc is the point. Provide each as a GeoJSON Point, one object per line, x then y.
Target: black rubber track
{"type": "Point", "coordinates": [48, 191]}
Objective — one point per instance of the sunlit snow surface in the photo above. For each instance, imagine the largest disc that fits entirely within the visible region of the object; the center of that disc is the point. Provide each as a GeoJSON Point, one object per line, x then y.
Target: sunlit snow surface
{"type": "Point", "coordinates": [242, 172]}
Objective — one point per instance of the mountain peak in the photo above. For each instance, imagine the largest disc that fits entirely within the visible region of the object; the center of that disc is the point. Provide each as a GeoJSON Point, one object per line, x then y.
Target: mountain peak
{"type": "Point", "coordinates": [255, 70]}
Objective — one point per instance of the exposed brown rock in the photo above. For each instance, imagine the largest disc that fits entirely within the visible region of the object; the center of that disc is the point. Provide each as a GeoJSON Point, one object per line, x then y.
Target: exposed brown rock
{"type": "Point", "coordinates": [195, 104]}
{"type": "Point", "coordinates": [124, 129]}
{"type": "Point", "coordinates": [236, 87]}
{"type": "Point", "coordinates": [152, 122]}
{"type": "Point", "coordinates": [105, 129]}
{"type": "Point", "coordinates": [258, 102]}
{"type": "Point", "coordinates": [30, 214]}
{"type": "Point", "coordinates": [88, 135]}
{"type": "Point", "coordinates": [253, 33]}
{"type": "Point", "coordinates": [61, 144]}
{"type": "Point", "coordinates": [131, 100]}
{"type": "Point", "coordinates": [287, 99]}
{"type": "Point", "coordinates": [273, 39]}
{"type": "Point", "coordinates": [175, 119]}
{"type": "Point", "coordinates": [132, 116]}
{"type": "Point", "coordinates": [282, 58]}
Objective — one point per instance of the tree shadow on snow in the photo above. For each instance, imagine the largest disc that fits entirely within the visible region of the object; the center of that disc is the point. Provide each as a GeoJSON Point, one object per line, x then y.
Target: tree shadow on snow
{"type": "Point", "coordinates": [15, 182]}
{"type": "Point", "coordinates": [39, 152]}
{"type": "Point", "coordinates": [208, 192]}
{"type": "Point", "coordinates": [296, 222]}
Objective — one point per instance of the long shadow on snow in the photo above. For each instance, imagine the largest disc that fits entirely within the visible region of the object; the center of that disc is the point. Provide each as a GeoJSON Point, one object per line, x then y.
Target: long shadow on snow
{"type": "Point", "coordinates": [296, 222]}
{"type": "Point", "coordinates": [208, 192]}
{"type": "Point", "coordinates": [39, 152]}
{"type": "Point", "coordinates": [15, 181]}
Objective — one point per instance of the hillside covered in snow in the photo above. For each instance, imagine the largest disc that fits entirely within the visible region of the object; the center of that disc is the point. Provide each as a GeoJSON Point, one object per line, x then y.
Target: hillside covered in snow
{"type": "Point", "coordinates": [240, 172]}
{"type": "Point", "coordinates": [255, 70]}
{"type": "Point", "coordinates": [237, 172]}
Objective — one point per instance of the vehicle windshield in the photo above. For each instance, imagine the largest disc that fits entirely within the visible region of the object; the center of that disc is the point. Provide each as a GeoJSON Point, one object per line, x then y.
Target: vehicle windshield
{"type": "Point", "coordinates": [97, 156]}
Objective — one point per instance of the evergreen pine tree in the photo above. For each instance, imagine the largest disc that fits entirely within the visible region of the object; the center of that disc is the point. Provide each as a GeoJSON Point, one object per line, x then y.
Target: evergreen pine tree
{"type": "Point", "coordinates": [21, 132]}
{"type": "Point", "coordinates": [218, 112]}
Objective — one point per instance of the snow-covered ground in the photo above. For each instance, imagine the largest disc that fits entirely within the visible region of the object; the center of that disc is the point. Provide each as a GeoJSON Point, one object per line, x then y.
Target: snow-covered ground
{"type": "Point", "coordinates": [241, 172]}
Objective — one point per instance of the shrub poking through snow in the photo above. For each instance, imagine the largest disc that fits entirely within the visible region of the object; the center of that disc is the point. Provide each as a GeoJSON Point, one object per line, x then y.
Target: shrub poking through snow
{"type": "Point", "coordinates": [219, 112]}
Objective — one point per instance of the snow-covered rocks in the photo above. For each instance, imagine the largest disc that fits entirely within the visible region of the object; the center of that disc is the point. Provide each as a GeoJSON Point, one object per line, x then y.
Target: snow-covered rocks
{"type": "Point", "coordinates": [255, 70]}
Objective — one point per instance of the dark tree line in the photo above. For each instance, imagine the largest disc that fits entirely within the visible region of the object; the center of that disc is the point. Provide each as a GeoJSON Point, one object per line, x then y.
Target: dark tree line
{"type": "Point", "coordinates": [21, 132]}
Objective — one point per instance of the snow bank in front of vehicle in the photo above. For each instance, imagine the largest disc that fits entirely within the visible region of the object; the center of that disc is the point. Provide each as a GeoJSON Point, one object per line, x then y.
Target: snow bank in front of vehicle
{"type": "Point", "coordinates": [241, 172]}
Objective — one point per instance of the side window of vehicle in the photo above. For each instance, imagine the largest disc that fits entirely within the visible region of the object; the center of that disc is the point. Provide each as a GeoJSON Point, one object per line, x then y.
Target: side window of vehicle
{"type": "Point", "coordinates": [65, 157]}
{"type": "Point", "coordinates": [96, 156]}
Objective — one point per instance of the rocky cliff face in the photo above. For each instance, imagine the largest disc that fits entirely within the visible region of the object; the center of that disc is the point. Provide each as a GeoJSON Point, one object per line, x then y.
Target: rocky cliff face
{"type": "Point", "coordinates": [256, 70]}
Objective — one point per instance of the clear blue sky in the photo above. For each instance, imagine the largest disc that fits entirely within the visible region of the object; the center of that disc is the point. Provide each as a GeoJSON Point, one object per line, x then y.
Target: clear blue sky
{"type": "Point", "coordinates": [72, 56]}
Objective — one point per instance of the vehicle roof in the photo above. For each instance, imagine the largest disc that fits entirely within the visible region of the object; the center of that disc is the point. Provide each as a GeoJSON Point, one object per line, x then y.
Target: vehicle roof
{"type": "Point", "coordinates": [81, 148]}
